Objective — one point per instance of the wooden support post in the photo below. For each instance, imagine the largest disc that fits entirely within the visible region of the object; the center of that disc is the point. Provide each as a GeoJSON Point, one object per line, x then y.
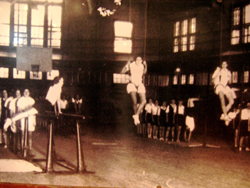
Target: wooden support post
{"type": "Point", "coordinates": [25, 138]}
{"type": "Point", "coordinates": [80, 159]}
{"type": "Point", "coordinates": [49, 159]}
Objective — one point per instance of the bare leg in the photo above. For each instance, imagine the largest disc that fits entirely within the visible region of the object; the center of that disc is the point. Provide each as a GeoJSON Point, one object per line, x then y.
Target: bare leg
{"type": "Point", "coordinates": [30, 142]}
{"type": "Point", "coordinates": [189, 135]}
{"type": "Point", "coordinates": [230, 101]}
{"type": "Point", "coordinates": [149, 130]}
{"type": "Point", "coordinates": [1, 136]}
{"type": "Point", "coordinates": [142, 102]}
{"type": "Point", "coordinates": [185, 135]}
{"type": "Point", "coordinates": [167, 134]}
{"type": "Point", "coordinates": [161, 133]}
{"type": "Point", "coordinates": [172, 131]}
{"type": "Point", "coordinates": [5, 138]}
{"type": "Point", "coordinates": [178, 134]}
{"type": "Point", "coordinates": [236, 136]}
{"type": "Point", "coordinates": [223, 105]}
{"type": "Point", "coordinates": [134, 100]}
{"type": "Point", "coordinates": [242, 138]}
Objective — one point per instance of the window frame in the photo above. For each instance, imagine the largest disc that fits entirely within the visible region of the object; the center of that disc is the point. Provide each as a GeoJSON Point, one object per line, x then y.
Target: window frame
{"type": "Point", "coordinates": [28, 36]}
{"type": "Point", "coordinates": [184, 35]}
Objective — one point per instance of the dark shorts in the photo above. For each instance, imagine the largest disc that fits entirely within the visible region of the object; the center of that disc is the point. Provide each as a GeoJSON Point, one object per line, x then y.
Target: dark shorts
{"type": "Point", "coordinates": [244, 128]}
{"type": "Point", "coordinates": [181, 120]}
{"type": "Point", "coordinates": [149, 118]}
{"type": "Point", "coordinates": [42, 106]}
{"type": "Point", "coordinates": [155, 117]}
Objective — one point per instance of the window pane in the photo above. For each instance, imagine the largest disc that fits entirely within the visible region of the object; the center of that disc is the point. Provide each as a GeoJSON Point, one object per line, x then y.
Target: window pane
{"type": "Point", "coordinates": [183, 79]}
{"type": "Point", "coordinates": [37, 22]}
{"type": "Point", "coordinates": [4, 72]}
{"type": "Point", "coordinates": [234, 77]}
{"type": "Point", "coordinates": [176, 44]}
{"type": "Point", "coordinates": [191, 79]}
{"type": "Point", "coordinates": [192, 43]}
{"type": "Point", "coordinates": [247, 14]}
{"type": "Point", "coordinates": [20, 24]}
{"type": "Point", "coordinates": [183, 43]}
{"type": "Point", "coordinates": [18, 74]}
{"type": "Point", "coordinates": [4, 23]}
{"type": "Point", "coordinates": [166, 81]}
{"type": "Point", "coordinates": [122, 45]}
{"type": "Point", "coordinates": [35, 75]}
{"type": "Point", "coordinates": [175, 80]}
{"type": "Point", "coordinates": [120, 78]}
{"type": "Point", "coordinates": [246, 76]}
{"type": "Point", "coordinates": [184, 27]}
{"type": "Point", "coordinates": [235, 37]}
{"type": "Point", "coordinates": [177, 29]}
{"type": "Point", "coordinates": [51, 75]}
{"type": "Point", "coordinates": [193, 25]}
{"type": "Point", "coordinates": [236, 18]}
{"type": "Point", "coordinates": [54, 23]}
{"type": "Point", "coordinates": [123, 29]}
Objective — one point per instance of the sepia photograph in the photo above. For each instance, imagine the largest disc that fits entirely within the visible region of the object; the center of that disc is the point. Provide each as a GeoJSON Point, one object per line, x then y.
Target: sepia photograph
{"type": "Point", "coordinates": [124, 93]}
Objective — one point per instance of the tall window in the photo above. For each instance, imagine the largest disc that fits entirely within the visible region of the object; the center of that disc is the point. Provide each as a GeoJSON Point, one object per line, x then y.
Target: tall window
{"type": "Point", "coordinates": [123, 35]}
{"type": "Point", "coordinates": [4, 23]}
{"type": "Point", "coordinates": [241, 25]}
{"type": "Point", "coordinates": [246, 76]}
{"type": "Point", "coordinates": [191, 79]}
{"type": "Point", "coordinates": [234, 77]}
{"type": "Point", "coordinates": [183, 79]}
{"type": "Point", "coordinates": [184, 35]}
{"type": "Point", "coordinates": [54, 26]}
{"type": "Point", "coordinates": [20, 24]}
{"type": "Point", "coordinates": [36, 23]}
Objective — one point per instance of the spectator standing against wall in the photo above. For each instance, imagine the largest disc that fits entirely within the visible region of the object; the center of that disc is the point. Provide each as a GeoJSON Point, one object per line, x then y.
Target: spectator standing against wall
{"type": "Point", "coordinates": [156, 110]}
{"type": "Point", "coordinates": [149, 117]}
{"type": "Point", "coordinates": [180, 119]}
{"type": "Point", "coordinates": [245, 128]}
{"type": "Point", "coordinates": [163, 121]}
{"type": "Point", "coordinates": [171, 112]}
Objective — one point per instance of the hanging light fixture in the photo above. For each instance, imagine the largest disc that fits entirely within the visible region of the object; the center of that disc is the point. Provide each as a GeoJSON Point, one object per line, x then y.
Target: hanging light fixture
{"type": "Point", "coordinates": [107, 12]}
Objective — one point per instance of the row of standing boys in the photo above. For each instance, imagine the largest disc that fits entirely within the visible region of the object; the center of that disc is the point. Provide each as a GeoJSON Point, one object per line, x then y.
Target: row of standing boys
{"type": "Point", "coordinates": [169, 123]}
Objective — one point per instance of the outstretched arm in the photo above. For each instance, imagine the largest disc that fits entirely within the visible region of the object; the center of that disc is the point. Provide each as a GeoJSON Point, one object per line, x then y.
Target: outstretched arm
{"type": "Point", "coordinates": [216, 72]}
{"type": "Point", "coordinates": [125, 68]}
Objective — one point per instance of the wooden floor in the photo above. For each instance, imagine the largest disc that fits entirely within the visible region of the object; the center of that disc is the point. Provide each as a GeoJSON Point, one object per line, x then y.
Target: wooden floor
{"type": "Point", "coordinates": [119, 158]}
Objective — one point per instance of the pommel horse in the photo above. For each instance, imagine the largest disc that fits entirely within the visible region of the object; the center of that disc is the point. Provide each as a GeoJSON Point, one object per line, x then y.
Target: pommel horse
{"type": "Point", "coordinates": [81, 167]}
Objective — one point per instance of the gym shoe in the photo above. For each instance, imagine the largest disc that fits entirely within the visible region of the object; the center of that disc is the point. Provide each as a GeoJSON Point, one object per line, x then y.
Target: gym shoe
{"type": "Point", "coordinates": [247, 149]}
{"type": "Point", "coordinates": [136, 119]}
{"type": "Point", "coordinates": [7, 123]}
{"type": "Point", "coordinates": [226, 118]}
{"type": "Point", "coordinates": [222, 117]}
{"type": "Point", "coordinates": [227, 122]}
{"type": "Point", "coordinates": [240, 148]}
